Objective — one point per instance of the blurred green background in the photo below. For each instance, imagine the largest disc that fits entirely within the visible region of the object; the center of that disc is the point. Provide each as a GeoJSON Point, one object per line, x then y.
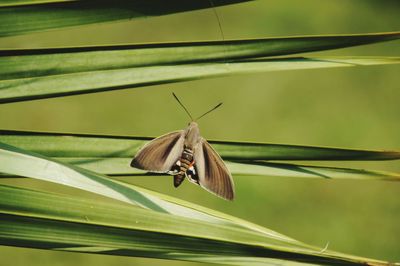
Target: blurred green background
{"type": "Point", "coordinates": [354, 108]}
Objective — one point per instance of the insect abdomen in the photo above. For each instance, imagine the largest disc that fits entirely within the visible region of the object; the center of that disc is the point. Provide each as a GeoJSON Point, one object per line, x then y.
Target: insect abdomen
{"type": "Point", "coordinates": [184, 163]}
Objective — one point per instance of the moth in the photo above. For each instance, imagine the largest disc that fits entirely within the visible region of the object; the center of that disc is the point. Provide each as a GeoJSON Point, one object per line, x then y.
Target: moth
{"type": "Point", "coordinates": [185, 153]}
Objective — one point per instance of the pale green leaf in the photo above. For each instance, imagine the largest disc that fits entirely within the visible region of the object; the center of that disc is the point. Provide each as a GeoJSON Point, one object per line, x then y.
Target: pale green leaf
{"type": "Point", "coordinates": [43, 168]}
{"type": "Point", "coordinates": [36, 219]}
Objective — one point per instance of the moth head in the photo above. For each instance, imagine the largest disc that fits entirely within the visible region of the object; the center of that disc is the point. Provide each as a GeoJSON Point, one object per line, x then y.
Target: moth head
{"type": "Point", "coordinates": [193, 126]}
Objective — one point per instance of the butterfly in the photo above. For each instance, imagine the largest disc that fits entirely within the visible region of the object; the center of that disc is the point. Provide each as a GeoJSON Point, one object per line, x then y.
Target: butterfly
{"type": "Point", "coordinates": [185, 153]}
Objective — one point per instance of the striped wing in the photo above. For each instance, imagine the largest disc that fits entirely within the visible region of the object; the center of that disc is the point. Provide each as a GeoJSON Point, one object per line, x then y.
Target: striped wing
{"type": "Point", "coordinates": [212, 173]}
{"type": "Point", "coordinates": [160, 154]}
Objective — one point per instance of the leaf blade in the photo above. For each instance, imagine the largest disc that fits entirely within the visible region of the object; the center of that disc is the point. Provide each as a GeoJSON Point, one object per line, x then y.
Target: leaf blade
{"type": "Point", "coordinates": [20, 17]}
{"type": "Point", "coordinates": [46, 73]}
{"type": "Point", "coordinates": [112, 155]}
{"type": "Point", "coordinates": [61, 145]}
{"type": "Point", "coordinates": [43, 168]}
{"type": "Point", "coordinates": [23, 63]}
{"type": "Point", "coordinates": [30, 219]}
{"type": "Point", "coordinates": [98, 81]}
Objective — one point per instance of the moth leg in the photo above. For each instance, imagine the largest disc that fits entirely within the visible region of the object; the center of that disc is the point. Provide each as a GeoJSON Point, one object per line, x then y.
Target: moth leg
{"type": "Point", "coordinates": [173, 172]}
{"type": "Point", "coordinates": [176, 169]}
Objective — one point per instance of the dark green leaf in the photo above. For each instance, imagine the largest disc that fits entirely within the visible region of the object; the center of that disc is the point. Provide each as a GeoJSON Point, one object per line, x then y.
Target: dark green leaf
{"type": "Point", "coordinates": [107, 147]}
{"type": "Point", "coordinates": [52, 61]}
{"type": "Point", "coordinates": [19, 16]}
{"type": "Point", "coordinates": [44, 73]}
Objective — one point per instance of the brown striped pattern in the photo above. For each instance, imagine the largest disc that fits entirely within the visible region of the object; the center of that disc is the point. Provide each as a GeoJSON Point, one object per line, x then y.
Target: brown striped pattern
{"type": "Point", "coordinates": [213, 173]}
{"type": "Point", "coordinates": [185, 160]}
{"type": "Point", "coordinates": [160, 154]}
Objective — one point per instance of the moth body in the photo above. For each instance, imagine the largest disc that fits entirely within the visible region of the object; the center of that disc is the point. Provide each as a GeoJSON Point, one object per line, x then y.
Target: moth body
{"type": "Point", "coordinates": [184, 167]}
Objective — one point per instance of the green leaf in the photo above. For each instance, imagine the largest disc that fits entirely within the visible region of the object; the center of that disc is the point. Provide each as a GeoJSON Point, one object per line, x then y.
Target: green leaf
{"type": "Point", "coordinates": [36, 219]}
{"type": "Point", "coordinates": [44, 73]}
{"type": "Point", "coordinates": [19, 162]}
{"type": "Point", "coordinates": [9, 3]}
{"type": "Point", "coordinates": [89, 82]}
{"type": "Point", "coordinates": [20, 63]}
{"type": "Point", "coordinates": [28, 63]}
{"type": "Point", "coordinates": [42, 168]}
{"type": "Point", "coordinates": [120, 167]}
{"type": "Point", "coordinates": [307, 171]}
{"type": "Point", "coordinates": [24, 16]}
{"type": "Point", "coordinates": [111, 155]}
{"type": "Point", "coordinates": [84, 146]}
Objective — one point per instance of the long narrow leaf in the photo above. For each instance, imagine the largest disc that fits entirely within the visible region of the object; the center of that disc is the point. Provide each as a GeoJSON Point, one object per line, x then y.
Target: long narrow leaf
{"type": "Point", "coordinates": [19, 16]}
{"type": "Point", "coordinates": [46, 205]}
{"type": "Point", "coordinates": [89, 82]}
{"type": "Point", "coordinates": [17, 63]}
{"type": "Point", "coordinates": [308, 171]}
{"type": "Point", "coordinates": [112, 156]}
{"type": "Point", "coordinates": [120, 167]}
{"type": "Point", "coordinates": [96, 147]}
{"type": "Point", "coordinates": [10, 3]}
{"type": "Point", "coordinates": [42, 168]}
{"type": "Point", "coordinates": [34, 219]}
{"type": "Point", "coordinates": [44, 73]}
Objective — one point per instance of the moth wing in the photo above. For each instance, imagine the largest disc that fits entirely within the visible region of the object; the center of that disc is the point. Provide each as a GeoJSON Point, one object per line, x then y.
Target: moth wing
{"type": "Point", "coordinates": [212, 173]}
{"type": "Point", "coordinates": [160, 154]}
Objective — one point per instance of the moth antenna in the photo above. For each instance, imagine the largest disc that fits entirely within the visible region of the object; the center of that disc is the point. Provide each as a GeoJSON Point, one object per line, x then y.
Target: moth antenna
{"type": "Point", "coordinates": [184, 108]}
{"type": "Point", "coordinates": [217, 17]}
{"type": "Point", "coordinates": [218, 105]}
